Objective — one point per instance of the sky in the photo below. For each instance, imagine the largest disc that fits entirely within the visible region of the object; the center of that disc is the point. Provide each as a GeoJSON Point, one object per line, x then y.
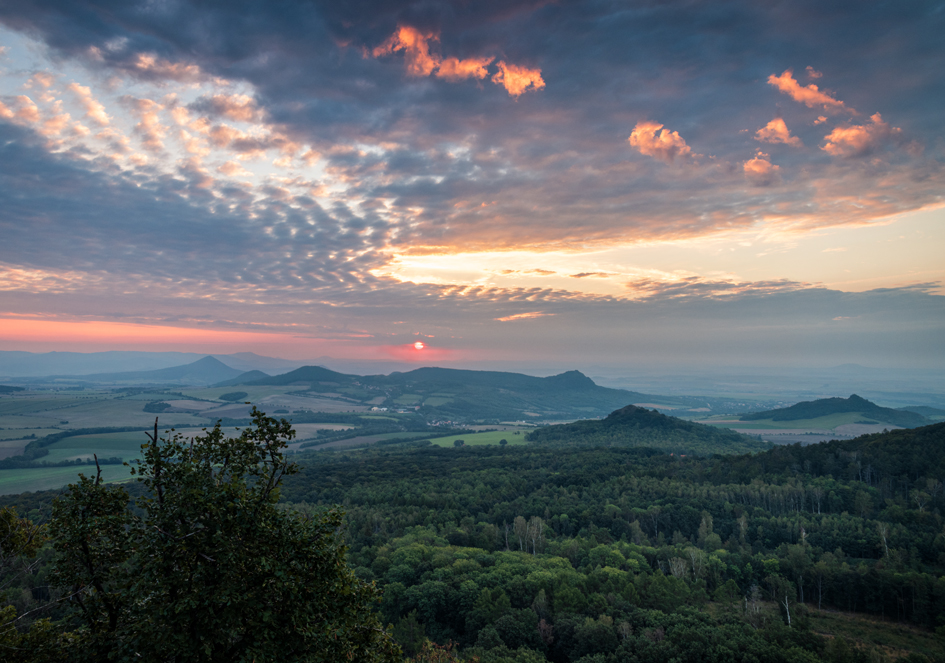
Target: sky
{"type": "Point", "coordinates": [480, 184]}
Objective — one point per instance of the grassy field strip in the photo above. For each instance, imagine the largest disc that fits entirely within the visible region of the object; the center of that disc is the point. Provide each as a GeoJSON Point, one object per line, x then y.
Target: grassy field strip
{"type": "Point", "coordinates": [828, 422]}
{"type": "Point", "coordinates": [476, 439]}
{"type": "Point", "coordinates": [106, 445]}
{"type": "Point", "coordinates": [363, 441]}
{"type": "Point", "coordinates": [49, 478]}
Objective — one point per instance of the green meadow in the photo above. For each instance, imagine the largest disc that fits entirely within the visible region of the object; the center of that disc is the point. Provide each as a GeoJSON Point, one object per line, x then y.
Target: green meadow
{"type": "Point", "coordinates": [478, 439]}
{"type": "Point", "coordinates": [50, 478]}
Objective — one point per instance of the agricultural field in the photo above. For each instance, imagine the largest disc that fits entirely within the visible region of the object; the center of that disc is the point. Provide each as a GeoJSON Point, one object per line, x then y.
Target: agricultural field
{"type": "Point", "coordinates": [51, 478]}
{"type": "Point", "coordinates": [842, 422]}
{"type": "Point", "coordinates": [31, 415]}
{"type": "Point", "coordinates": [804, 431]}
{"type": "Point", "coordinates": [514, 437]}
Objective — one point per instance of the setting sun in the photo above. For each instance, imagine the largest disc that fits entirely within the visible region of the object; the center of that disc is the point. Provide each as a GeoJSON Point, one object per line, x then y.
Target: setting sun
{"type": "Point", "coordinates": [419, 345]}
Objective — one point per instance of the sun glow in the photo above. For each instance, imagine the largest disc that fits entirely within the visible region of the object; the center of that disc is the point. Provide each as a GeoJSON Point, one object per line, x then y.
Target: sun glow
{"type": "Point", "coordinates": [419, 345]}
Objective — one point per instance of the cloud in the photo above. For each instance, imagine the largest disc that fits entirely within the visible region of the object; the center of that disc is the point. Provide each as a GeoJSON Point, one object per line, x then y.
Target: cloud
{"type": "Point", "coordinates": [236, 107]}
{"type": "Point", "coordinates": [421, 62]}
{"type": "Point", "coordinates": [698, 287]}
{"type": "Point", "coordinates": [453, 70]}
{"type": "Point", "coordinates": [537, 272]}
{"type": "Point", "coordinates": [665, 145]}
{"type": "Point", "coordinates": [859, 139]}
{"type": "Point", "coordinates": [57, 122]}
{"type": "Point", "coordinates": [596, 275]}
{"type": "Point", "coordinates": [27, 112]}
{"type": "Point", "coordinates": [149, 127]}
{"type": "Point", "coordinates": [193, 144]}
{"type": "Point", "coordinates": [810, 95]}
{"type": "Point", "coordinates": [150, 66]}
{"type": "Point", "coordinates": [776, 131]}
{"type": "Point", "coordinates": [251, 145]}
{"type": "Point", "coordinates": [416, 47]}
{"type": "Point", "coordinates": [813, 73]}
{"type": "Point", "coordinates": [94, 110]}
{"type": "Point", "coordinates": [234, 169]}
{"type": "Point", "coordinates": [522, 316]}
{"type": "Point", "coordinates": [518, 79]}
{"type": "Point", "coordinates": [41, 78]}
{"type": "Point", "coordinates": [760, 171]}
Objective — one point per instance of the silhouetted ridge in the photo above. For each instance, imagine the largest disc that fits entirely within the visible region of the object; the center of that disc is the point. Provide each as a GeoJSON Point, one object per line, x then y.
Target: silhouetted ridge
{"type": "Point", "coordinates": [248, 376]}
{"type": "Point", "coordinates": [571, 380]}
{"type": "Point", "coordinates": [208, 370]}
{"type": "Point", "coordinates": [305, 374]}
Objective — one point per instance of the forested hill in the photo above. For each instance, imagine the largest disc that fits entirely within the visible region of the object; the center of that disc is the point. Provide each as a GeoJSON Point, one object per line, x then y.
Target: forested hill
{"type": "Point", "coordinates": [827, 406]}
{"type": "Point", "coordinates": [889, 460]}
{"type": "Point", "coordinates": [633, 426]}
{"type": "Point", "coordinates": [306, 374]}
{"type": "Point", "coordinates": [466, 396]}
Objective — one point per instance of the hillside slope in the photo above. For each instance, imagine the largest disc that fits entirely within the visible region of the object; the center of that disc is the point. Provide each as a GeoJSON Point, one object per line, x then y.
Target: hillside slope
{"type": "Point", "coordinates": [633, 426]}
{"type": "Point", "coordinates": [827, 406]}
{"type": "Point", "coordinates": [897, 458]}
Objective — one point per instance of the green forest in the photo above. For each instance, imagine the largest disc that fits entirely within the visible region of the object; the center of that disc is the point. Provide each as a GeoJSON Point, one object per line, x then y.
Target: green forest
{"type": "Point", "coordinates": [580, 551]}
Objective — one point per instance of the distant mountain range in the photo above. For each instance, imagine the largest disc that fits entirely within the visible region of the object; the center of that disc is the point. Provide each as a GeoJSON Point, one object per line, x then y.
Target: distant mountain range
{"type": "Point", "coordinates": [206, 371]}
{"type": "Point", "coordinates": [15, 364]}
{"type": "Point", "coordinates": [461, 395]}
{"type": "Point", "coordinates": [854, 404]}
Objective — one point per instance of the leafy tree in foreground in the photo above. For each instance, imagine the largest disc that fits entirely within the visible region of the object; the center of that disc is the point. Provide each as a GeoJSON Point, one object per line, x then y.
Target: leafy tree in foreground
{"type": "Point", "coordinates": [208, 568]}
{"type": "Point", "coordinates": [20, 540]}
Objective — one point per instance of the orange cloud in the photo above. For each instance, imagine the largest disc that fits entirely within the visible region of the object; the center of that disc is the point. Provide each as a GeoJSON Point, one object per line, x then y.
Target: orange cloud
{"type": "Point", "coordinates": [760, 171]}
{"type": "Point", "coordinates": [55, 124]}
{"type": "Point", "coordinates": [193, 144]}
{"type": "Point", "coordinates": [421, 62]}
{"type": "Point", "coordinates": [517, 79]}
{"type": "Point", "coordinates": [149, 65]}
{"type": "Point", "coordinates": [813, 73]}
{"type": "Point", "coordinates": [94, 110]}
{"type": "Point", "coordinates": [238, 107]}
{"type": "Point", "coordinates": [666, 146]}
{"type": "Point", "coordinates": [416, 47]}
{"type": "Point", "coordinates": [27, 110]}
{"type": "Point", "coordinates": [809, 95]}
{"type": "Point", "coordinates": [233, 169]}
{"type": "Point", "coordinates": [858, 140]}
{"type": "Point", "coordinates": [522, 316]}
{"type": "Point", "coordinates": [453, 69]}
{"type": "Point", "coordinates": [776, 131]}
{"type": "Point", "coordinates": [42, 78]}
{"type": "Point", "coordinates": [149, 127]}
